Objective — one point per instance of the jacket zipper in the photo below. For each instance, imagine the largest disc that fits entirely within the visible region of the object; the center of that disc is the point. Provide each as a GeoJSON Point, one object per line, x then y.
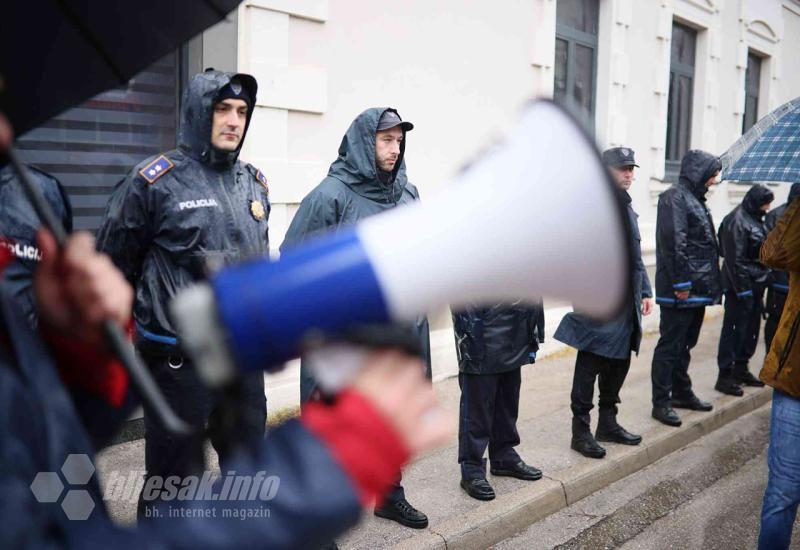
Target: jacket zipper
{"type": "Point", "coordinates": [789, 343]}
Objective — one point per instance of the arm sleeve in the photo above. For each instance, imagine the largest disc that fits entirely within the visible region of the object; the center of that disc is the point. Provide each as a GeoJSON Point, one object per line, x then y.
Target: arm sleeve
{"type": "Point", "coordinates": [125, 231]}
{"type": "Point", "coordinates": [673, 236]}
{"type": "Point", "coordinates": [781, 250]}
{"type": "Point", "coordinates": [317, 212]}
{"type": "Point", "coordinates": [734, 246]}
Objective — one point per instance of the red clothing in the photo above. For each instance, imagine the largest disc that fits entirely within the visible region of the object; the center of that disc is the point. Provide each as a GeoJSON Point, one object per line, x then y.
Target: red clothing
{"type": "Point", "coordinates": [361, 440]}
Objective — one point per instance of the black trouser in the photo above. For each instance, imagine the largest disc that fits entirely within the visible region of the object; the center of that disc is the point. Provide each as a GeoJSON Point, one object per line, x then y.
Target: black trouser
{"type": "Point", "coordinates": [740, 327]}
{"type": "Point", "coordinates": [488, 417]}
{"type": "Point", "coordinates": [244, 406]}
{"type": "Point", "coordinates": [680, 329]}
{"type": "Point", "coordinates": [610, 374]}
{"type": "Point", "coordinates": [775, 302]}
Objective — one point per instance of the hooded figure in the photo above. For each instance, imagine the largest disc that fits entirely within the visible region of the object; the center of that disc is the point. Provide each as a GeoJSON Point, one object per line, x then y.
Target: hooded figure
{"type": "Point", "coordinates": [356, 188]}
{"type": "Point", "coordinates": [741, 234]}
{"type": "Point", "coordinates": [687, 280]}
{"type": "Point", "coordinates": [687, 252]}
{"type": "Point", "coordinates": [18, 225]}
{"type": "Point", "coordinates": [779, 280]}
{"type": "Point", "coordinates": [172, 219]}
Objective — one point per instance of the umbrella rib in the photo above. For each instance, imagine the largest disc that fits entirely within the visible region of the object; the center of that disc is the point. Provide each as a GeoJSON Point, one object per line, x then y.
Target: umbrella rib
{"type": "Point", "coordinates": [215, 8]}
{"type": "Point", "coordinates": [91, 39]}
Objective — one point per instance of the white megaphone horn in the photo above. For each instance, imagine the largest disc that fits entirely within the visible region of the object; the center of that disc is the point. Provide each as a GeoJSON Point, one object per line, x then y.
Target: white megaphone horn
{"type": "Point", "coordinates": [536, 216]}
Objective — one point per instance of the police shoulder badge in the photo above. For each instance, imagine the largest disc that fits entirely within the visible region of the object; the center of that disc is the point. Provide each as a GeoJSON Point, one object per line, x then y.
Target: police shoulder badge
{"type": "Point", "coordinates": [156, 169]}
{"type": "Point", "coordinates": [260, 177]}
{"type": "Point", "coordinates": [257, 210]}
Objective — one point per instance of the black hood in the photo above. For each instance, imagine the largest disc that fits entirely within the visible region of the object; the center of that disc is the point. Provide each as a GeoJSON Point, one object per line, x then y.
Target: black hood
{"type": "Point", "coordinates": [356, 167]}
{"type": "Point", "coordinates": [794, 192]}
{"type": "Point", "coordinates": [696, 167]}
{"type": "Point", "coordinates": [197, 113]}
{"type": "Point", "coordinates": [756, 197]}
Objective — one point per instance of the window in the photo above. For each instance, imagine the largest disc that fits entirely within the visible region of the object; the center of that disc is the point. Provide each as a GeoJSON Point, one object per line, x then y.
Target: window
{"type": "Point", "coordinates": [752, 82]}
{"type": "Point", "coordinates": [91, 147]}
{"type": "Point", "coordinates": [679, 106]}
{"type": "Point", "coordinates": [576, 55]}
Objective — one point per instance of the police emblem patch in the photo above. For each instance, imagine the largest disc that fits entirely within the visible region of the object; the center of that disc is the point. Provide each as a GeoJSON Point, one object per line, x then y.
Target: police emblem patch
{"type": "Point", "coordinates": [236, 86]}
{"type": "Point", "coordinates": [257, 210]}
{"type": "Point", "coordinates": [262, 179]}
{"type": "Point", "coordinates": [156, 169]}
{"type": "Point", "coordinates": [625, 152]}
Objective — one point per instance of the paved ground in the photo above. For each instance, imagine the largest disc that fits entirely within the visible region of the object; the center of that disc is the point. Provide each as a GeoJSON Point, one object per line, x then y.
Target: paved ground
{"type": "Point", "coordinates": [706, 495]}
{"type": "Point", "coordinates": [432, 481]}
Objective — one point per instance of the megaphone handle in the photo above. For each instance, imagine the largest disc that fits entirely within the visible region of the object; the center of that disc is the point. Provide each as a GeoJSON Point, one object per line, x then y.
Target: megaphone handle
{"type": "Point", "coordinates": [119, 345]}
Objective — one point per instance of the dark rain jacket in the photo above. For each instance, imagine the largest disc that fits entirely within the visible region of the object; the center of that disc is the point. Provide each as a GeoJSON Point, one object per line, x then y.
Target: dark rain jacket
{"type": "Point", "coordinates": [779, 280]}
{"type": "Point", "coordinates": [616, 338]}
{"type": "Point", "coordinates": [499, 338]}
{"type": "Point", "coordinates": [181, 213]}
{"type": "Point", "coordinates": [42, 422]}
{"type": "Point", "coordinates": [353, 191]}
{"type": "Point", "coordinates": [741, 234]}
{"type": "Point", "coordinates": [687, 252]}
{"type": "Point", "coordinates": [18, 226]}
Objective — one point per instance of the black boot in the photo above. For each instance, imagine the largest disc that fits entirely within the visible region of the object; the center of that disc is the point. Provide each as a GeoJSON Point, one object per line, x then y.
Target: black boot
{"type": "Point", "coordinates": [742, 375]}
{"type": "Point", "coordinates": [582, 439]}
{"type": "Point", "coordinates": [403, 513]}
{"type": "Point", "coordinates": [609, 430]}
{"type": "Point", "coordinates": [728, 386]}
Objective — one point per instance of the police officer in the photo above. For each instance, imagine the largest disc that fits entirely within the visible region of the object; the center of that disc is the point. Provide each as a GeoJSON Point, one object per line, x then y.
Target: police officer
{"type": "Point", "coordinates": [493, 343]}
{"type": "Point", "coordinates": [744, 277]}
{"type": "Point", "coordinates": [18, 225]}
{"type": "Point", "coordinates": [779, 280]}
{"type": "Point", "coordinates": [367, 178]}
{"type": "Point", "coordinates": [687, 280]}
{"type": "Point", "coordinates": [604, 349]}
{"type": "Point", "coordinates": [175, 216]}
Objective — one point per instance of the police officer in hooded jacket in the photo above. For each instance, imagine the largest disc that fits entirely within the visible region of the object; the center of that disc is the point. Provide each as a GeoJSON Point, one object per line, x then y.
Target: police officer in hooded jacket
{"type": "Point", "coordinates": [492, 344]}
{"type": "Point", "coordinates": [744, 279]}
{"type": "Point", "coordinates": [367, 178]}
{"type": "Point", "coordinates": [18, 225]}
{"type": "Point", "coordinates": [604, 349]}
{"type": "Point", "coordinates": [687, 280]}
{"type": "Point", "coordinates": [779, 280]}
{"type": "Point", "coordinates": [173, 218]}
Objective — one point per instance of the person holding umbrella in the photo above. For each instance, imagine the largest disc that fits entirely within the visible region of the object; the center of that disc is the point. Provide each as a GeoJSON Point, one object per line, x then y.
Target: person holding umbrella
{"type": "Point", "coordinates": [779, 280]}
{"type": "Point", "coordinates": [744, 279]}
{"type": "Point", "coordinates": [604, 349]}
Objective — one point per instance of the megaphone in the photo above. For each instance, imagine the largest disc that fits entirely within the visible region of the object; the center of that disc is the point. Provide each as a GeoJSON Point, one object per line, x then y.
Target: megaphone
{"type": "Point", "coordinates": [538, 215]}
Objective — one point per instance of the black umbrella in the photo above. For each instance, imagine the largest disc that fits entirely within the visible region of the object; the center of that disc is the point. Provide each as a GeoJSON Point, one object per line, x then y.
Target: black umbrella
{"type": "Point", "coordinates": [55, 54]}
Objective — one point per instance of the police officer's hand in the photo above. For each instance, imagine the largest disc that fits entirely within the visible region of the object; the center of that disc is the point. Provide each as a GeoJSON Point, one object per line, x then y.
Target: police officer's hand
{"type": "Point", "coordinates": [682, 295]}
{"type": "Point", "coordinates": [78, 288]}
{"type": "Point", "coordinates": [395, 384]}
{"type": "Point", "coordinates": [647, 306]}
{"type": "Point", "coordinates": [6, 133]}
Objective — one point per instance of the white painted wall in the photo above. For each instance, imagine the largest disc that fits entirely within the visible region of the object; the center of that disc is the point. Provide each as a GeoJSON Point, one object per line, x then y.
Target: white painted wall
{"type": "Point", "coordinates": [460, 70]}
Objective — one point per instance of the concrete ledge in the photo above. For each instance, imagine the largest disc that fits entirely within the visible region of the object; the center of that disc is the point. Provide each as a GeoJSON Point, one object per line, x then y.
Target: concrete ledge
{"type": "Point", "coordinates": [511, 513]}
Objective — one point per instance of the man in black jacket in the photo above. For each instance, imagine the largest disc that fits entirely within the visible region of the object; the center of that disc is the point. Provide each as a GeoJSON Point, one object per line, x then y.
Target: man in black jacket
{"type": "Point", "coordinates": [173, 218]}
{"type": "Point", "coordinates": [687, 280]}
{"type": "Point", "coordinates": [367, 178]}
{"type": "Point", "coordinates": [604, 349]}
{"type": "Point", "coordinates": [779, 280]}
{"type": "Point", "coordinates": [492, 345]}
{"type": "Point", "coordinates": [744, 278]}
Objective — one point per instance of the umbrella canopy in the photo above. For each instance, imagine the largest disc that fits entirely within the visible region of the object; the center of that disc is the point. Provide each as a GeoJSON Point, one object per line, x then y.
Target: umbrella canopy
{"type": "Point", "coordinates": [769, 151]}
{"type": "Point", "coordinates": [55, 54]}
